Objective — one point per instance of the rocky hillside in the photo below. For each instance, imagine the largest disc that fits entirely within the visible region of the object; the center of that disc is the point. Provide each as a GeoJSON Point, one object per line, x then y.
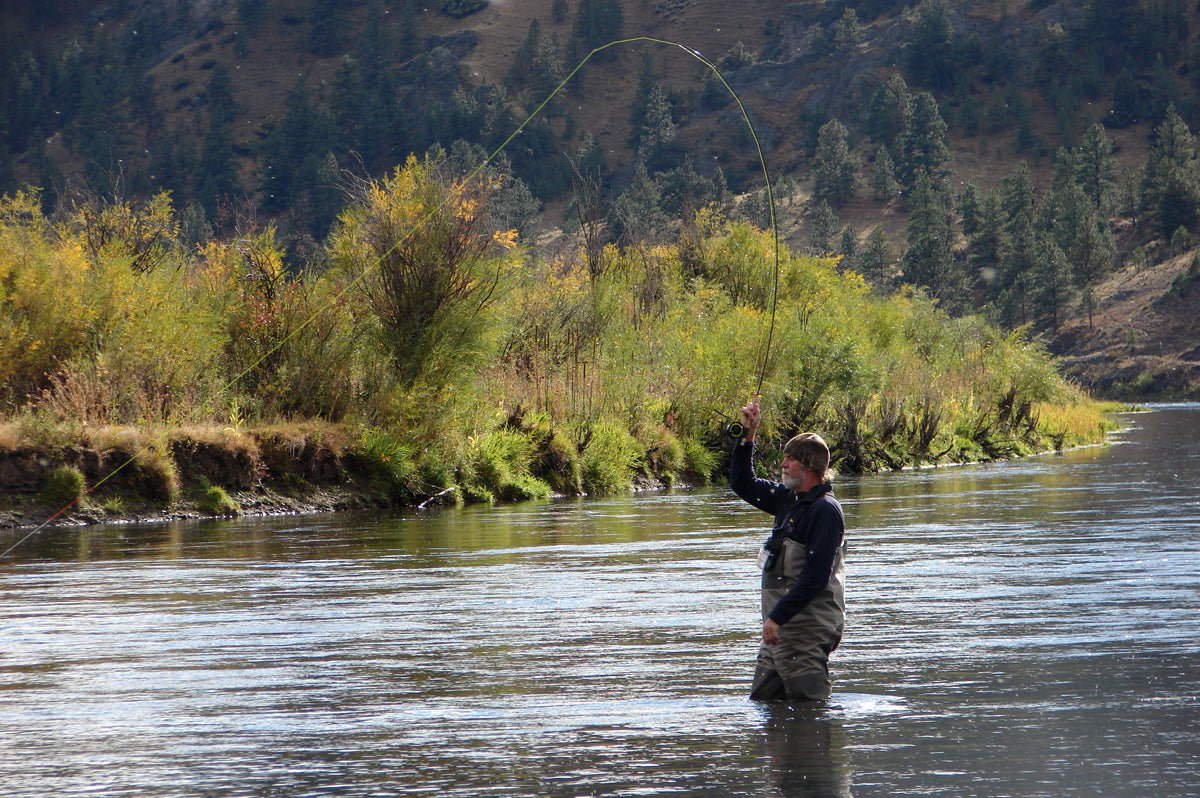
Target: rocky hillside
{"type": "Point", "coordinates": [1142, 338]}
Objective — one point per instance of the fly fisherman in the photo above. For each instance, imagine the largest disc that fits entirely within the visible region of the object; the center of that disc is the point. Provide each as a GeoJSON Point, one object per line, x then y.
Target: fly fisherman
{"type": "Point", "coordinates": [803, 598]}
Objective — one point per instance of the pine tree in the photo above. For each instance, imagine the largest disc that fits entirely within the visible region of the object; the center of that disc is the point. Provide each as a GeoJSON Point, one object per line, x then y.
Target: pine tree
{"type": "Point", "coordinates": [598, 22]}
{"type": "Point", "coordinates": [6, 172]}
{"type": "Point", "coordinates": [1079, 232]}
{"type": "Point", "coordinates": [1163, 92]}
{"type": "Point", "coordinates": [1128, 100]}
{"type": "Point", "coordinates": [888, 112]}
{"type": "Point", "coordinates": [1170, 190]}
{"type": "Point", "coordinates": [923, 145]}
{"type": "Point", "coordinates": [547, 68]}
{"type": "Point", "coordinates": [1107, 27]}
{"type": "Point", "coordinates": [521, 69]}
{"type": "Point", "coordinates": [637, 214]}
{"type": "Point", "coordinates": [407, 43]}
{"type": "Point", "coordinates": [1095, 167]}
{"type": "Point", "coordinates": [1015, 284]}
{"type": "Point", "coordinates": [969, 208]}
{"type": "Point", "coordinates": [217, 178]}
{"type": "Point", "coordinates": [328, 25]}
{"type": "Point", "coordinates": [647, 81]}
{"type": "Point", "coordinates": [986, 242]}
{"type": "Point", "coordinates": [835, 172]}
{"type": "Point", "coordinates": [1018, 200]}
{"type": "Point", "coordinates": [824, 229]}
{"type": "Point", "coordinates": [295, 151]}
{"type": "Point", "coordinates": [99, 129]}
{"type": "Point", "coordinates": [174, 163]}
{"type": "Point", "coordinates": [930, 55]}
{"type": "Point", "coordinates": [849, 32]}
{"type": "Point", "coordinates": [652, 131]}
{"type": "Point", "coordinates": [219, 94]}
{"type": "Point", "coordinates": [364, 99]}
{"type": "Point", "coordinates": [658, 135]}
{"type": "Point", "coordinates": [875, 262]}
{"type": "Point", "coordinates": [848, 249]}
{"type": "Point", "coordinates": [1053, 279]}
{"type": "Point", "coordinates": [929, 260]}
{"type": "Point", "coordinates": [883, 178]}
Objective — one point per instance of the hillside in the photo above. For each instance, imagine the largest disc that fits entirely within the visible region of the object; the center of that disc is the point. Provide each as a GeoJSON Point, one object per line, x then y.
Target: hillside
{"type": "Point", "coordinates": [1142, 339]}
{"type": "Point", "coordinates": [1137, 341]}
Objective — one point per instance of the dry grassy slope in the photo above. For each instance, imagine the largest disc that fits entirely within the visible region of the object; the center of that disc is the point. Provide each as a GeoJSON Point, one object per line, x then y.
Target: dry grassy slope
{"type": "Point", "coordinates": [1141, 341]}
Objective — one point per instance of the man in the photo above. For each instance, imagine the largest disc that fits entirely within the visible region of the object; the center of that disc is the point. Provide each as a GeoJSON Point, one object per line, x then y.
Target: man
{"type": "Point", "coordinates": [803, 595]}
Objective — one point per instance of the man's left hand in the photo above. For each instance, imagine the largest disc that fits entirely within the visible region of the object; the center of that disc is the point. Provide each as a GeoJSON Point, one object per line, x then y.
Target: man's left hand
{"type": "Point", "coordinates": [770, 632]}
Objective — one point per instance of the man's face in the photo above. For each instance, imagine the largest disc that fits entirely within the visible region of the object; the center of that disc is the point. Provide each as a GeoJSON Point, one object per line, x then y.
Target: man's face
{"type": "Point", "coordinates": [792, 473]}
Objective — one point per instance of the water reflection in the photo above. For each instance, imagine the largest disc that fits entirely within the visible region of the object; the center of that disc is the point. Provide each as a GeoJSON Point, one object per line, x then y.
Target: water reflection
{"type": "Point", "coordinates": [1026, 628]}
{"type": "Point", "coordinates": [806, 752]}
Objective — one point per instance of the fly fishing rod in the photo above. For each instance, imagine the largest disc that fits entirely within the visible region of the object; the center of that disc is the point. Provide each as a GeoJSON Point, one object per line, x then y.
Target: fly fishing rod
{"type": "Point", "coordinates": [734, 429]}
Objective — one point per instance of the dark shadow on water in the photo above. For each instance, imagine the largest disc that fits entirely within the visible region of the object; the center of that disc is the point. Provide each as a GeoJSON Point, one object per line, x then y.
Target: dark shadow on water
{"type": "Point", "coordinates": [805, 750]}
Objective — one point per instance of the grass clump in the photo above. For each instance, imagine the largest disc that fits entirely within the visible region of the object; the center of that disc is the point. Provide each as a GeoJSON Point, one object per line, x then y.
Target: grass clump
{"type": "Point", "coordinates": [610, 457]}
{"type": "Point", "coordinates": [699, 462]}
{"type": "Point", "coordinates": [556, 462]}
{"type": "Point", "coordinates": [665, 456]}
{"type": "Point", "coordinates": [497, 468]}
{"type": "Point", "coordinates": [63, 486]}
{"type": "Point", "coordinates": [390, 462]}
{"type": "Point", "coordinates": [215, 501]}
{"type": "Point", "coordinates": [1076, 425]}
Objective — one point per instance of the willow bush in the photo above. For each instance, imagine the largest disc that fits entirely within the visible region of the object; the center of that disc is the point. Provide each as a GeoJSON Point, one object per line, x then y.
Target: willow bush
{"type": "Point", "coordinates": [427, 266]}
{"type": "Point", "coordinates": [93, 333]}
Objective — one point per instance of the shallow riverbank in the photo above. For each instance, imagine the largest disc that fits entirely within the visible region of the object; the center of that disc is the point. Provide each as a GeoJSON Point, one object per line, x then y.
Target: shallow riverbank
{"type": "Point", "coordinates": [256, 475]}
{"type": "Point", "coordinates": [110, 475]}
{"type": "Point", "coordinates": [127, 475]}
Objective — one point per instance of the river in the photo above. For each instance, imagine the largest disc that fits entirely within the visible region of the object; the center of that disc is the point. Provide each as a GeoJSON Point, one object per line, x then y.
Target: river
{"type": "Point", "coordinates": [1024, 628]}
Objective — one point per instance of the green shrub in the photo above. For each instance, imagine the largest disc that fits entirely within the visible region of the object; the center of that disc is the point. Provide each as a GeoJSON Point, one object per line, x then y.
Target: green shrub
{"type": "Point", "coordinates": [523, 488]}
{"type": "Point", "coordinates": [699, 462]}
{"type": "Point", "coordinates": [390, 463]}
{"type": "Point", "coordinates": [474, 494]}
{"type": "Point", "coordinates": [1186, 281]}
{"type": "Point", "coordinates": [665, 456]}
{"type": "Point", "coordinates": [498, 466]}
{"type": "Point", "coordinates": [462, 8]}
{"type": "Point", "coordinates": [216, 501]}
{"type": "Point", "coordinates": [157, 474]}
{"type": "Point", "coordinates": [62, 487]}
{"type": "Point", "coordinates": [609, 458]}
{"type": "Point", "coordinates": [556, 462]}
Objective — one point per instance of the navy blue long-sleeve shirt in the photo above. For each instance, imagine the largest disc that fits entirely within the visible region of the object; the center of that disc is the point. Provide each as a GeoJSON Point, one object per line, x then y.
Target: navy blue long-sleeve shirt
{"type": "Point", "coordinates": [813, 518]}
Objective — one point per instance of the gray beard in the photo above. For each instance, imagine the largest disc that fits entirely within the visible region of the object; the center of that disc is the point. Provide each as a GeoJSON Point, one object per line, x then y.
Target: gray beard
{"type": "Point", "coordinates": [789, 481]}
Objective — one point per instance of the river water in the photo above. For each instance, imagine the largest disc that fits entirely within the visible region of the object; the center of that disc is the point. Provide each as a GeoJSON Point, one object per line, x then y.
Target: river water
{"type": "Point", "coordinates": [1028, 628]}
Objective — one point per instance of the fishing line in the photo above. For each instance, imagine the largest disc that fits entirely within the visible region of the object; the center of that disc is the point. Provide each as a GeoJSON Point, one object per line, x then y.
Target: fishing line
{"type": "Point", "coordinates": [453, 194]}
{"type": "Point", "coordinates": [762, 160]}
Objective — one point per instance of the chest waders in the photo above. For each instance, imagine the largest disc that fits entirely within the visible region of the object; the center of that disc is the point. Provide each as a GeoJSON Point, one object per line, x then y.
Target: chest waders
{"type": "Point", "coordinates": [797, 667]}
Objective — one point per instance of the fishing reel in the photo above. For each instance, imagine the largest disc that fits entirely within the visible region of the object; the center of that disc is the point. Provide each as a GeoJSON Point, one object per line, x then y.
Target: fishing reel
{"type": "Point", "coordinates": [735, 429]}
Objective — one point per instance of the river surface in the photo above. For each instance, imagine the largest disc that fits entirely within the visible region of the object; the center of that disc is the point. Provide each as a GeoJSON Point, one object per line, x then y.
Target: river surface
{"type": "Point", "coordinates": [1027, 628]}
